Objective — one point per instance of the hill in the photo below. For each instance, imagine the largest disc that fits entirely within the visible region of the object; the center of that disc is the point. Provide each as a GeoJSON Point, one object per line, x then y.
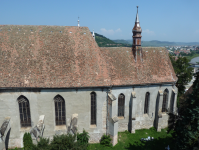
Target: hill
{"type": "Point", "coordinates": [102, 41]}
{"type": "Point", "coordinates": [156, 43]}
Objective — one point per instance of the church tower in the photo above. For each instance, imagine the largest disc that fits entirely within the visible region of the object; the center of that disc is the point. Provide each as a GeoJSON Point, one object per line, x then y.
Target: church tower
{"type": "Point", "coordinates": [136, 48]}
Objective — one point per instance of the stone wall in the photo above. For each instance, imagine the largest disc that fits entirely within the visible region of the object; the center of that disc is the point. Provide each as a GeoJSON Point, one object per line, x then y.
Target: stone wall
{"type": "Point", "coordinates": [78, 101]}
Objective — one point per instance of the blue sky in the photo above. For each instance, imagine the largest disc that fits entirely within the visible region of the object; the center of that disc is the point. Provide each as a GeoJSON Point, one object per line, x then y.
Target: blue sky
{"type": "Point", "coordinates": [163, 20]}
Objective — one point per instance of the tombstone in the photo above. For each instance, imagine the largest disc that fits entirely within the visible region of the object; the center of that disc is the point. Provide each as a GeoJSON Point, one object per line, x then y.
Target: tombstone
{"type": "Point", "coordinates": [37, 131]}
{"type": "Point", "coordinates": [72, 129]}
{"type": "Point", "coordinates": [5, 133]}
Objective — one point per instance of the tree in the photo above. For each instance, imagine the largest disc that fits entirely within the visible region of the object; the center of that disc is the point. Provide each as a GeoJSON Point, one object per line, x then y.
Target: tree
{"type": "Point", "coordinates": [186, 125]}
{"type": "Point", "coordinates": [183, 72]}
{"type": "Point", "coordinates": [27, 141]}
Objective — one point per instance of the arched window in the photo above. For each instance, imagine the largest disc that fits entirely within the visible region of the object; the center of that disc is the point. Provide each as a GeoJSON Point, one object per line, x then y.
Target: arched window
{"type": "Point", "coordinates": [93, 108]}
{"type": "Point", "coordinates": [172, 102]}
{"type": "Point", "coordinates": [24, 110]}
{"type": "Point", "coordinates": [146, 104]}
{"type": "Point", "coordinates": [121, 102]}
{"type": "Point", "coordinates": [60, 114]}
{"type": "Point", "coordinates": [165, 100]}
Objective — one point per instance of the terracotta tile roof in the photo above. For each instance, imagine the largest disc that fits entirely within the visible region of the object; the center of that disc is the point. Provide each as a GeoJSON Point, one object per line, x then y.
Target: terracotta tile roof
{"type": "Point", "coordinates": [65, 57]}
{"type": "Point", "coordinates": [156, 66]}
{"type": "Point", "coordinates": [50, 56]}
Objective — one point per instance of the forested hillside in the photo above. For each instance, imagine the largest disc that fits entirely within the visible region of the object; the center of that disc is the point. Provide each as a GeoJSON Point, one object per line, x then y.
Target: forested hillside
{"type": "Point", "coordinates": [102, 41]}
{"type": "Point", "coordinates": [156, 43]}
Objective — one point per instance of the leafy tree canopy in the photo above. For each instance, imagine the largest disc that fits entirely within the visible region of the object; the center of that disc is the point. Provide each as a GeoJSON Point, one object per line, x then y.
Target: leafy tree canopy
{"type": "Point", "coordinates": [183, 72]}
{"type": "Point", "coordinates": [186, 125]}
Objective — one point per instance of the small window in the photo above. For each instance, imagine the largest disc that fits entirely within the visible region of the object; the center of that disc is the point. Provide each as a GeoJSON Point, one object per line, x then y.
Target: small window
{"type": "Point", "coordinates": [146, 104]}
{"type": "Point", "coordinates": [121, 102]}
{"type": "Point", "coordinates": [93, 108]}
{"type": "Point", "coordinates": [60, 31]}
{"type": "Point", "coordinates": [24, 111]}
{"type": "Point", "coordinates": [165, 100]}
{"type": "Point", "coordinates": [60, 114]}
{"type": "Point", "coordinates": [70, 32]}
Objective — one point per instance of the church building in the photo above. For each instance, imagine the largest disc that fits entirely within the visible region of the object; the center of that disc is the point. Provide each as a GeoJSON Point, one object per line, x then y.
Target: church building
{"type": "Point", "coordinates": [59, 73]}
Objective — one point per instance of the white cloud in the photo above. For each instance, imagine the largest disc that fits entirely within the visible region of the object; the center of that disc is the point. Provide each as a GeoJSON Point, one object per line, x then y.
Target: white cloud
{"type": "Point", "coordinates": [147, 31]}
{"type": "Point", "coordinates": [110, 32]}
{"type": "Point", "coordinates": [118, 30]}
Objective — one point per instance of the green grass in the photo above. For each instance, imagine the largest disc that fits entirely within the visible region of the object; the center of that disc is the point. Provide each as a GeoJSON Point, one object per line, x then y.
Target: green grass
{"type": "Point", "coordinates": [128, 141]}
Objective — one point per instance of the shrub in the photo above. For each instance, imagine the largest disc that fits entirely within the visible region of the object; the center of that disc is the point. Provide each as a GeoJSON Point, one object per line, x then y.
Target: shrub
{"type": "Point", "coordinates": [127, 132]}
{"type": "Point", "coordinates": [106, 140]}
{"type": "Point", "coordinates": [27, 141]}
{"type": "Point", "coordinates": [43, 143]}
{"type": "Point", "coordinates": [83, 138]}
{"type": "Point", "coordinates": [152, 129]}
{"type": "Point", "coordinates": [65, 142]}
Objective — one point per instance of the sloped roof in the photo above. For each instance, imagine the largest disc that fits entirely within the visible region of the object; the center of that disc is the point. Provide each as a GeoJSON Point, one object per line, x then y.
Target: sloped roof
{"type": "Point", "coordinates": [155, 67]}
{"type": "Point", "coordinates": [65, 57]}
{"type": "Point", "coordinates": [50, 56]}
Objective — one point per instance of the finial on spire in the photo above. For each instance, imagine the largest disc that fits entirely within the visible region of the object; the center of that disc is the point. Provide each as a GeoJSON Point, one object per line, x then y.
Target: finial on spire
{"type": "Point", "coordinates": [137, 18]}
{"type": "Point", "coordinates": [93, 34]}
{"type": "Point", "coordinates": [78, 22]}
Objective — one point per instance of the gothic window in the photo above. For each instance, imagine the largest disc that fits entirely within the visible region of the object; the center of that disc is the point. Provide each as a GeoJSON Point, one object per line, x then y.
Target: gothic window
{"type": "Point", "coordinates": [172, 102]}
{"type": "Point", "coordinates": [24, 111]}
{"type": "Point", "coordinates": [165, 100]}
{"type": "Point", "coordinates": [121, 101]}
{"type": "Point", "coordinates": [146, 104]}
{"type": "Point", "coordinates": [60, 114]}
{"type": "Point", "coordinates": [93, 108]}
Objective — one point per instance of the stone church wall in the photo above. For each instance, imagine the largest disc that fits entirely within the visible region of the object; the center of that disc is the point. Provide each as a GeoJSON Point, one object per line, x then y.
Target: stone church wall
{"type": "Point", "coordinates": [78, 101]}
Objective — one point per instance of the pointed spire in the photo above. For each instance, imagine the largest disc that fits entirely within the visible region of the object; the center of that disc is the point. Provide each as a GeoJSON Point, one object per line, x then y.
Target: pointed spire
{"type": "Point", "coordinates": [137, 18]}
{"type": "Point", "coordinates": [78, 22]}
{"type": "Point", "coordinates": [137, 49]}
{"type": "Point", "coordinates": [93, 34]}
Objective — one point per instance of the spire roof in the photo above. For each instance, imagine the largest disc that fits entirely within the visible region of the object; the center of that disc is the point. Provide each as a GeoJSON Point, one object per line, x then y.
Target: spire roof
{"type": "Point", "coordinates": [137, 18]}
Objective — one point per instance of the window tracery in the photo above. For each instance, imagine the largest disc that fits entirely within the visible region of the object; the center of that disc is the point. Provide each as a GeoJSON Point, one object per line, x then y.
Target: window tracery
{"type": "Point", "coordinates": [24, 111]}
{"type": "Point", "coordinates": [121, 102]}
{"type": "Point", "coordinates": [60, 115]}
